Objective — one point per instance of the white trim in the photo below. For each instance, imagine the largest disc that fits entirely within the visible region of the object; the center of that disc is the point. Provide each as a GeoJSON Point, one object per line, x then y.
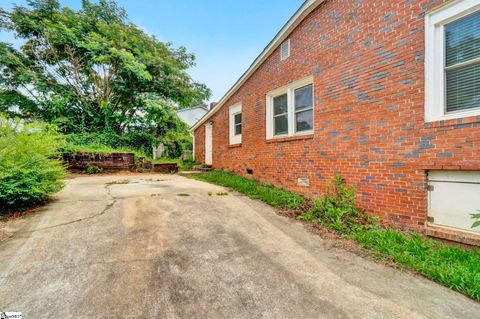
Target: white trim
{"type": "Point", "coordinates": [307, 7]}
{"type": "Point", "coordinates": [435, 58]}
{"type": "Point", "coordinates": [234, 110]}
{"type": "Point", "coordinates": [290, 91]}
{"type": "Point", "coordinates": [193, 147]}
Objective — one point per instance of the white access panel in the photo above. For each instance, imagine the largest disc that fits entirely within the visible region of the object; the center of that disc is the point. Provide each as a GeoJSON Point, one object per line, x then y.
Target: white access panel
{"type": "Point", "coordinates": [452, 197]}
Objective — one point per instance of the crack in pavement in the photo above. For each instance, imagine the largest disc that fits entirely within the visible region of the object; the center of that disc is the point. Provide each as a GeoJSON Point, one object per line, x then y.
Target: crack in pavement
{"type": "Point", "coordinates": [109, 205]}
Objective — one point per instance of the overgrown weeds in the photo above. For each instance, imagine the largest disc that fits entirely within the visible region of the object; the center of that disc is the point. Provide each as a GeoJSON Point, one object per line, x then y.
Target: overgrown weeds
{"type": "Point", "coordinates": [337, 209]}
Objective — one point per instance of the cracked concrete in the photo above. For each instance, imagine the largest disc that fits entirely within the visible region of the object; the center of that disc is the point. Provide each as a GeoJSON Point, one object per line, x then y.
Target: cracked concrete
{"type": "Point", "coordinates": [107, 250]}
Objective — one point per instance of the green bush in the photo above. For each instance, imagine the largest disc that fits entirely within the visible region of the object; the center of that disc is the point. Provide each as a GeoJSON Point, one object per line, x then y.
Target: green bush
{"type": "Point", "coordinates": [30, 168]}
{"type": "Point", "coordinates": [337, 209]}
{"type": "Point", "coordinates": [92, 169]}
{"type": "Point", "coordinates": [175, 143]}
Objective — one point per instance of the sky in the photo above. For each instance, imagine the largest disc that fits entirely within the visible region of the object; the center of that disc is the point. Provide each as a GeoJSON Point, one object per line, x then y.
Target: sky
{"type": "Point", "coordinates": [225, 35]}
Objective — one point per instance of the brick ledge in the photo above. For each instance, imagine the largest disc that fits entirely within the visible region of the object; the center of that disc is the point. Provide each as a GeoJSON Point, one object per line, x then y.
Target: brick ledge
{"type": "Point", "coordinates": [453, 234]}
{"type": "Point", "coordinates": [290, 138]}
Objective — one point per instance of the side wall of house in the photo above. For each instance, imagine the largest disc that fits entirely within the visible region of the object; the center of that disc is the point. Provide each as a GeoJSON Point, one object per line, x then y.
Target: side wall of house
{"type": "Point", "coordinates": [367, 59]}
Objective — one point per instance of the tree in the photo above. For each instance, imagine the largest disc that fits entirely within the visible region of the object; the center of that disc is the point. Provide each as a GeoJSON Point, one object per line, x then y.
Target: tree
{"type": "Point", "coordinates": [91, 69]}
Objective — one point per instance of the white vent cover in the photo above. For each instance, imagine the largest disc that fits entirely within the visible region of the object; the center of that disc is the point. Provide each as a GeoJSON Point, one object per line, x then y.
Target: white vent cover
{"type": "Point", "coordinates": [285, 50]}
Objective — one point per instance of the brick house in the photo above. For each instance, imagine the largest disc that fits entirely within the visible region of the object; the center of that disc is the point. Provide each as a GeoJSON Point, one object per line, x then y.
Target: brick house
{"type": "Point", "coordinates": [386, 93]}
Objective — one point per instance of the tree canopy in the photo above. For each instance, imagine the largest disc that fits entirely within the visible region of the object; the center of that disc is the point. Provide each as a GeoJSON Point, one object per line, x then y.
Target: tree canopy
{"type": "Point", "coordinates": [91, 69]}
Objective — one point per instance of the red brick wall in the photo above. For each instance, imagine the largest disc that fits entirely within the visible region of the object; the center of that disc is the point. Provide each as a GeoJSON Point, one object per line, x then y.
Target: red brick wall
{"type": "Point", "coordinates": [367, 59]}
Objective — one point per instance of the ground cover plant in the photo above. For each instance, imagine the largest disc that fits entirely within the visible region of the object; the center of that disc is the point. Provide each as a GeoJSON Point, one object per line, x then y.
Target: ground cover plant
{"type": "Point", "coordinates": [267, 193]}
{"type": "Point", "coordinates": [30, 165]}
{"type": "Point", "coordinates": [455, 267]}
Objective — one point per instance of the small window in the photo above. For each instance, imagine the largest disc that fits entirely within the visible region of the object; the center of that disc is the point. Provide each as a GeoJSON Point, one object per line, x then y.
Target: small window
{"type": "Point", "coordinates": [290, 109]}
{"type": "Point", "coordinates": [238, 123]}
{"type": "Point", "coordinates": [285, 50]}
{"type": "Point", "coordinates": [453, 61]}
{"type": "Point", "coordinates": [304, 109]}
{"type": "Point", "coordinates": [280, 115]}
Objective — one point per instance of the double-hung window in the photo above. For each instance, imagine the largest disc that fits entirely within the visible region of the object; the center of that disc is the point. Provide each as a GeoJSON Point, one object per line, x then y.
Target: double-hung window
{"type": "Point", "coordinates": [235, 115]}
{"type": "Point", "coordinates": [290, 110]}
{"type": "Point", "coordinates": [453, 61]}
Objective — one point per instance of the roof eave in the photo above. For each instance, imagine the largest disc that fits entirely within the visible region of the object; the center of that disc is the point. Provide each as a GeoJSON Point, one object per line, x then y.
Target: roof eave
{"type": "Point", "coordinates": [307, 7]}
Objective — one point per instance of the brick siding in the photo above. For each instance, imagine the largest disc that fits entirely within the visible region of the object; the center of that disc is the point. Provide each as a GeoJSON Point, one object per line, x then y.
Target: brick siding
{"type": "Point", "coordinates": [367, 59]}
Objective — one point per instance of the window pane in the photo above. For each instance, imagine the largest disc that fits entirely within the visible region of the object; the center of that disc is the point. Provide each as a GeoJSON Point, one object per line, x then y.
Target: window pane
{"type": "Point", "coordinates": [238, 118]}
{"type": "Point", "coordinates": [238, 129]}
{"type": "Point", "coordinates": [463, 39]}
{"type": "Point", "coordinates": [304, 98]}
{"type": "Point", "coordinates": [280, 124]}
{"type": "Point", "coordinates": [463, 88]}
{"type": "Point", "coordinates": [304, 121]}
{"type": "Point", "coordinates": [280, 104]}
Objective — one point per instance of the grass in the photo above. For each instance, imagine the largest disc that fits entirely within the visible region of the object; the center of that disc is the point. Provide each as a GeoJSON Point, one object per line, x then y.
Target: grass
{"type": "Point", "coordinates": [451, 266]}
{"type": "Point", "coordinates": [101, 149]}
{"type": "Point", "coordinates": [267, 193]}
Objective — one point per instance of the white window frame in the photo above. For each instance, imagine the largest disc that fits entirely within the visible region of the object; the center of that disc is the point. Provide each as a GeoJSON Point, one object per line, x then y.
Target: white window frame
{"type": "Point", "coordinates": [290, 91]}
{"type": "Point", "coordinates": [234, 110]}
{"type": "Point", "coordinates": [435, 91]}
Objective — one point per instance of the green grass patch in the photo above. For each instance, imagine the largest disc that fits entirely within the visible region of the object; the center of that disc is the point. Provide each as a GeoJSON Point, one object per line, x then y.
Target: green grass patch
{"type": "Point", "coordinates": [454, 267]}
{"type": "Point", "coordinates": [267, 193]}
{"type": "Point", "coordinates": [101, 149]}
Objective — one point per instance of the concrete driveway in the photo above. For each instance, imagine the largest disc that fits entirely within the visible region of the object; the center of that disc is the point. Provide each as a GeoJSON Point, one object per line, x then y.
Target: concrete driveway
{"type": "Point", "coordinates": [144, 249]}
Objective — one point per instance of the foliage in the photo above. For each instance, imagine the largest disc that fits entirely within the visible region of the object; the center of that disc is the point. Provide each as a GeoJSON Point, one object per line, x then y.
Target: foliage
{"type": "Point", "coordinates": [337, 209]}
{"type": "Point", "coordinates": [30, 168]}
{"type": "Point", "coordinates": [175, 143]}
{"type": "Point", "coordinates": [476, 217]}
{"type": "Point", "coordinates": [108, 142]}
{"type": "Point", "coordinates": [276, 197]}
{"type": "Point", "coordinates": [92, 169]}
{"type": "Point", "coordinates": [454, 267]}
{"type": "Point", "coordinates": [91, 70]}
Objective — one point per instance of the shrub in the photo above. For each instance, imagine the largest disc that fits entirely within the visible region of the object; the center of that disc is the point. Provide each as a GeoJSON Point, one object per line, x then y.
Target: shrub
{"type": "Point", "coordinates": [337, 209]}
{"type": "Point", "coordinates": [92, 169]}
{"type": "Point", "coordinates": [30, 168]}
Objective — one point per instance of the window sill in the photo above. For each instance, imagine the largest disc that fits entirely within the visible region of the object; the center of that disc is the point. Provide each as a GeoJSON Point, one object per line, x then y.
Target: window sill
{"type": "Point", "coordinates": [459, 122]}
{"type": "Point", "coordinates": [290, 138]}
{"type": "Point", "coordinates": [235, 145]}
